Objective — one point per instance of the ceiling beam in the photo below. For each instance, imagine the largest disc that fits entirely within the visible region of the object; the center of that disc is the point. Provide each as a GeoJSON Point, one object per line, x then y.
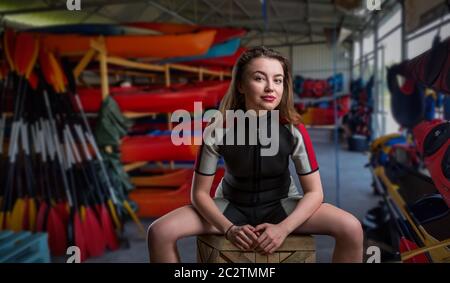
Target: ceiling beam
{"type": "Point", "coordinates": [63, 7]}
{"type": "Point", "coordinates": [170, 12]}
{"type": "Point", "coordinates": [213, 10]}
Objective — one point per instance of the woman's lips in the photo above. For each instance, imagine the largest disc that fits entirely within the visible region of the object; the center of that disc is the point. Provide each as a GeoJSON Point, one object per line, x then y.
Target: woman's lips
{"type": "Point", "coordinates": [268, 98]}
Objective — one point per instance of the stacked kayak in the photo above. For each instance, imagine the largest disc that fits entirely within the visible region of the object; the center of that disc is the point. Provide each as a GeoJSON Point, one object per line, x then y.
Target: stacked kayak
{"type": "Point", "coordinates": [155, 202]}
{"type": "Point", "coordinates": [134, 46]}
{"type": "Point", "coordinates": [160, 100]}
{"type": "Point", "coordinates": [155, 148]}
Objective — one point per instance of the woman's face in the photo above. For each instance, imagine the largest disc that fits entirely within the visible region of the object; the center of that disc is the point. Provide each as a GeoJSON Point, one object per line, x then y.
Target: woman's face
{"type": "Point", "coordinates": [262, 84]}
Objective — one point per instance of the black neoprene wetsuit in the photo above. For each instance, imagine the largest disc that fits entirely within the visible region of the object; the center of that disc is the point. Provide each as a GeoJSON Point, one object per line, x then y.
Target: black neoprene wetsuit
{"type": "Point", "coordinates": [257, 189]}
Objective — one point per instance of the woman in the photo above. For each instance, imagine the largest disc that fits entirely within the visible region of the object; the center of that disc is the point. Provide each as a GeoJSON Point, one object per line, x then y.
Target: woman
{"type": "Point", "coordinates": [256, 205]}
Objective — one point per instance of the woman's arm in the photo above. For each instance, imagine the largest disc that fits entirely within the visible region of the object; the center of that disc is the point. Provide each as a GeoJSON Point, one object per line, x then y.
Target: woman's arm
{"type": "Point", "coordinates": [311, 201]}
{"type": "Point", "coordinates": [202, 201]}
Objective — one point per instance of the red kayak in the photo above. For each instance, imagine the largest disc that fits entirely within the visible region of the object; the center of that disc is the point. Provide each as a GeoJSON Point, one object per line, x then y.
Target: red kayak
{"type": "Point", "coordinates": [161, 101]}
{"type": "Point", "coordinates": [157, 202]}
{"type": "Point", "coordinates": [156, 148]}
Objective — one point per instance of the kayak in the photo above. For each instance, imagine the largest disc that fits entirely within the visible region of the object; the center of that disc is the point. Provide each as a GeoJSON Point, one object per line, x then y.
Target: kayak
{"type": "Point", "coordinates": [225, 61]}
{"type": "Point", "coordinates": [156, 148]}
{"type": "Point", "coordinates": [227, 48]}
{"type": "Point", "coordinates": [162, 100]}
{"type": "Point", "coordinates": [171, 179]}
{"type": "Point", "coordinates": [222, 34]}
{"type": "Point", "coordinates": [157, 202]}
{"type": "Point", "coordinates": [133, 46]}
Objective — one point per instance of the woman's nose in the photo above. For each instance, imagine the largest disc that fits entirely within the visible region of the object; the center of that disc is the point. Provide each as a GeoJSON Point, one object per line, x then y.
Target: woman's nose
{"type": "Point", "coordinates": [269, 87]}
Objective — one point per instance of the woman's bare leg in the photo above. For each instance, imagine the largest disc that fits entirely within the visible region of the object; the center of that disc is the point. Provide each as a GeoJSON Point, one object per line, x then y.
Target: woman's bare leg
{"type": "Point", "coordinates": [344, 227]}
{"type": "Point", "coordinates": [164, 232]}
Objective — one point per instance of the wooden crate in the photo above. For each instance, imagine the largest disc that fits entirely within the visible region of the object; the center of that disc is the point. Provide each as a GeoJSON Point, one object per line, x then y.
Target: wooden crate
{"type": "Point", "coordinates": [217, 249]}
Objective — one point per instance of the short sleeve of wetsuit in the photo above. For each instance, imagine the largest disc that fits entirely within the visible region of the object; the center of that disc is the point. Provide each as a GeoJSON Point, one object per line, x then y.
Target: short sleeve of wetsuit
{"type": "Point", "coordinates": [207, 158]}
{"type": "Point", "coordinates": [303, 155]}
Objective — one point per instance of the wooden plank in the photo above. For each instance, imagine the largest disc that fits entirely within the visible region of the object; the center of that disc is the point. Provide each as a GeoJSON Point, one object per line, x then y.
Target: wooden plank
{"type": "Point", "coordinates": [259, 258]}
{"type": "Point", "coordinates": [298, 257]}
{"type": "Point", "coordinates": [134, 65]}
{"type": "Point", "coordinates": [239, 257]}
{"type": "Point", "coordinates": [84, 62]}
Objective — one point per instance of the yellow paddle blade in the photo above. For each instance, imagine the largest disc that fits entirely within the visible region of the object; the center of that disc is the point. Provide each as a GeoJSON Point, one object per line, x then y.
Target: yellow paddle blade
{"type": "Point", "coordinates": [32, 214]}
{"type": "Point", "coordinates": [134, 217]}
{"type": "Point", "coordinates": [114, 215]}
{"type": "Point", "coordinates": [17, 215]}
{"type": "Point", "coordinates": [83, 213]}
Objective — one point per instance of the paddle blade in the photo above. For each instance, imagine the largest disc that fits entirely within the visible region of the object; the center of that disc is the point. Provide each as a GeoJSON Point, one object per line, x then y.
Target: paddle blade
{"type": "Point", "coordinates": [57, 236]}
{"type": "Point", "coordinates": [26, 53]}
{"type": "Point", "coordinates": [134, 217]}
{"type": "Point", "coordinates": [114, 216]}
{"type": "Point", "coordinates": [407, 245]}
{"type": "Point", "coordinates": [9, 39]}
{"type": "Point", "coordinates": [108, 230]}
{"type": "Point", "coordinates": [17, 215]}
{"type": "Point", "coordinates": [80, 240]}
{"type": "Point", "coordinates": [40, 219]}
{"type": "Point", "coordinates": [32, 214]}
{"type": "Point", "coordinates": [62, 210]}
{"type": "Point", "coordinates": [95, 242]}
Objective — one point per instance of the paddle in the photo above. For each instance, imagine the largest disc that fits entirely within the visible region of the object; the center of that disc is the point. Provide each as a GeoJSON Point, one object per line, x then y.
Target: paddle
{"type": "Point", "coordinates": [25, 55]}
{"type": "Point", "coordinates": [95, 240]}
{"type": "Point", "coordinates": [105, 219]}
{"type": "Point", "coordinates": [79, 233]}
{"type": "Point", "coordinates": [91, 139]}
{"type": "Point", "coordinates": [57, 234]}
{"type": "Point", "coordinates": [109, 191]}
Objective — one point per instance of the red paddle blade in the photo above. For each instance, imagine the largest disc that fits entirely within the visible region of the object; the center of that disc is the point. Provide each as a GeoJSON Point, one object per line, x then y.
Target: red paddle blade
{"type": "Point", "coordinates": [25, 53]}
{"type": "Point", "coordinates": [95, 241]}
{"type": "Point", "coordinates": [407, 245]}
{"type": "Point", "coordinates": [108, 229]}
{"type": "Point", "coordinates": [57, 235]}
{"type": "Point", "coordinates": [40, 220]}
{"type": "Point", "coordinates": [9, 40]}
{"type": "Point", "coordinates": [61, 210]}
{"type": "Point", "coordinates": [80, 240]}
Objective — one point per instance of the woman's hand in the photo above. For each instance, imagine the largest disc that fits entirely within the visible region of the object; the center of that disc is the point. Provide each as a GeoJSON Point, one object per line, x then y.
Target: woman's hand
{"type": "Point", "coordinates": [271, 236]}
{"type": "Point", "coordinates": [243, 236]}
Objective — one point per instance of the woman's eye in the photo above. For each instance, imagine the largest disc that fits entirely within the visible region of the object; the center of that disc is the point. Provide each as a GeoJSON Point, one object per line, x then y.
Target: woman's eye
{"type": "Point", "coordinates": [278, 81]}
{"type": "Point", "coordinates": [258, 79]}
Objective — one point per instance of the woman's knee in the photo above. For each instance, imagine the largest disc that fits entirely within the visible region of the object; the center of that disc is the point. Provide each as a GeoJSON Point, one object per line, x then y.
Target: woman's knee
{"type": "Point", "coordinates": [350, 229]}
{"type": "Point", "coordinates": [161, 230]}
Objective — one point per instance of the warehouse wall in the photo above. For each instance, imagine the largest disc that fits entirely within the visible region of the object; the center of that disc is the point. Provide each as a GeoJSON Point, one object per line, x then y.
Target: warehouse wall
{"type": "Point", "coordinates": [316, 61]}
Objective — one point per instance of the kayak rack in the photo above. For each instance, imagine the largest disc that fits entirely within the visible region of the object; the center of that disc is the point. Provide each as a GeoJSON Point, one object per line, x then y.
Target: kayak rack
{"type": "Point", "coordinates": [24, 247]}
{"type": "Point", "coordinates": [438, 250]}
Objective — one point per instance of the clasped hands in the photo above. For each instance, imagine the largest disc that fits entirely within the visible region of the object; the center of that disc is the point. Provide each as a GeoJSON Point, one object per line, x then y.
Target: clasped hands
{"type": "Point", "coordinates": [265, 238]}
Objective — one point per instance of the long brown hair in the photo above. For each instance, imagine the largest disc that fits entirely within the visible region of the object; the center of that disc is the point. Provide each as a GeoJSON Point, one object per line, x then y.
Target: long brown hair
{"type": "Point", "coordinates": [233, 100]}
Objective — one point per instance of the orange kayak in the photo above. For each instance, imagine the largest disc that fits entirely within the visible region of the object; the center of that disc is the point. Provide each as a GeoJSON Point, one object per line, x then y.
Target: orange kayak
{"type": "Point", "coordinates": [172, 179]}
{"type": "Point", "coordinates": [155, 148]}
{"type": "Point", "coordinates": [157, 202]}
{"type": "Point", "coordinates": [133, 46]}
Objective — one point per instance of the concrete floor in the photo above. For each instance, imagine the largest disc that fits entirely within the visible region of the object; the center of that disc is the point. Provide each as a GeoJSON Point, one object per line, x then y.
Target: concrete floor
{"type": "Point", "coordinates": [355, 196]}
